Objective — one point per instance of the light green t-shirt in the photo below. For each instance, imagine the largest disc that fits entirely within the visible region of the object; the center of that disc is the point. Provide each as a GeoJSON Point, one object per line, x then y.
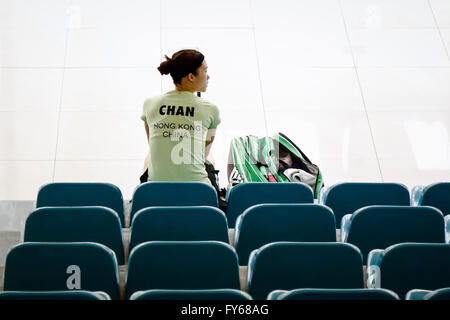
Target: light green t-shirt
{"type": "Point", "coordinates": [178, 122]}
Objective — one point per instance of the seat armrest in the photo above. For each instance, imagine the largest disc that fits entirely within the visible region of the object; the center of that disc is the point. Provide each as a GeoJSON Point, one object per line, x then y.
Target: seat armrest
{"type": "Point", "coordinates": [237, 230]}
{"type": "Point", "coordinates": [345, 226]}
{"type": "Point", "coordinates": [417, 195]}
{"type": "Point", "coordinates": [323, 193]}
{"type": "Point", "coordinates": [447, 228]}
{"type": "Point", "coordinates": [373, 268]}
{"type": "Point", "coordinates": [251, 266]}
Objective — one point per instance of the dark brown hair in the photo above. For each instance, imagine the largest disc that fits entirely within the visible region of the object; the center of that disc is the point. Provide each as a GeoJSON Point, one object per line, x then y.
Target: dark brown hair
{"type": "Point", "coordinates": [181, 64]}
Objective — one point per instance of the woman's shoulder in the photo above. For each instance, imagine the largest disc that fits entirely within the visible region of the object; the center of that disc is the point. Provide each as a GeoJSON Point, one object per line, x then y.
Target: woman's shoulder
{"type": "Point", "coordinates": [207, 103]}
{"type": "Point", "coordinates": [154, 99]}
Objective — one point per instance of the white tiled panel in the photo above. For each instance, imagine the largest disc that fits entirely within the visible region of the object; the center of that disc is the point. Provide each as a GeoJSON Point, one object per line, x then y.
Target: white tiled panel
{"type": "Point", "coordinates": [112, 46]}
{"type": "Point", "coordinates": [118, 33]}
{"type": "Point", "coordinates": [30, 89]}
{"type": "Point", "coordinates": [445, 33]}
{"type": "Point", "coordinates": [22, 179]}
{"type": "Point", "coordinates": [101, 136]}
{"type": "Point", "coordinates": [33, 13]}
{"type": "Point", "coordinates": [381, 14]}
{"type": "Point", "coordinates": [116, 89]}
{"type": "Point", "coordinates": [360, 86]}
{"type": "Point", "coordinates": [311, 89]}
{"type": "Point", "coordinates": [28, 135]}
{"type": "Point", "coordinates": [441, 10]}
{"type": "Point", "coordinates": [398, 47]}
{"type": "Point", "coordinates": [339, 143]}
{"type": "Point", "coordinates": [406, 89]}
{"type": "Point", "coordinates": [415, 142]}
{"type": "Point", "coordinates": [317, 47]}
{"type": "Point", "coordinates": [113, 13]}
{"type": "Point", "coordinates": [206, 14]}
{"type": "Point", "coordinates": [32, 47]}
{"type": "Point", "coordinates": [297, 14]}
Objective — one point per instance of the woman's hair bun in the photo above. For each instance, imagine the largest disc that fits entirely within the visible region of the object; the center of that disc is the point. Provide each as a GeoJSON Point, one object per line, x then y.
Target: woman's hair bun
{"type": "Point", "coordinates": [166, 66]}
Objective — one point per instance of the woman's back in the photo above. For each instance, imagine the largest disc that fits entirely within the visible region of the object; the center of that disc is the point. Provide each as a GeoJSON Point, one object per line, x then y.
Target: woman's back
{"type": "Point", "coordinates": [178, 122]}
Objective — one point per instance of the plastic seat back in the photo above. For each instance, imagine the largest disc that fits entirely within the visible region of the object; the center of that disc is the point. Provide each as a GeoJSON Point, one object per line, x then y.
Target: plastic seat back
{"type": "Point", "coordinates": [160, 194]}
{"type": "Point", "coordinates": [68, 194]}
{"type": "Point", "coordinates": [440, 294]}
{"type": "Point", "coordinates": [266, 223]}
{"type": "Point", "coordinates": [39, 266]}
{"type": "Point", "coordinates": [378, 227]}
{"type": "Point", "coordinates": [415, 265]}
{"type": "Point", "coordinates": [76, 224]}
{"type": "Point", "coordinates": [289, 265]}
{"type": "Point", "coordinates": [182, 265]}
{"type": "Point", "coordinates": [346, 198]}
{"type": "Point", "coordinates": [245, 195]}
{"type": "Point", "coordinates": [178, 224]}
{"type": "Point", "coordinates": [436, 195]}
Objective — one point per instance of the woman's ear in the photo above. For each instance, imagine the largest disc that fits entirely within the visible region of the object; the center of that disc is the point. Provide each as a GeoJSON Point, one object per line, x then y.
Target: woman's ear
{"type": "Point", "coordinates": [191, 77]}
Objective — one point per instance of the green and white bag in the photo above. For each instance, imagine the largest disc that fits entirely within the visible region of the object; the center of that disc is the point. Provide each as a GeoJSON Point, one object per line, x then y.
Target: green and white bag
{"type": "Point", "coordinates": [271, 159]}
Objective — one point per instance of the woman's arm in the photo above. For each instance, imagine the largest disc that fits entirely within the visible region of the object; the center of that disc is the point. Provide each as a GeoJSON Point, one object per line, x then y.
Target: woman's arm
{"type": "Point", "coordinates": [148, 154]}
{"type": "Point", "coordinates": [146, 130]}
{"type": "Point", "coordinates": [209, 140]}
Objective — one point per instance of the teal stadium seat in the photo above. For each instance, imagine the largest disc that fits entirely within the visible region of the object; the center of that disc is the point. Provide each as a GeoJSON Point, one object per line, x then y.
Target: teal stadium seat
{"type": "Point", "coordinates": [43, 266]}
{"type": "Point", "coordinates": [435, 195]}
{"type": "Point", "coordinates": [378, 227]}
{"type": "Point", "coordinates": [178, 224]}
{"type": "Point", "coordinates": [407, 266]}
{"type": "Point", "coordinates": [54, 295]}
{"type": "Point", "coordinates": [346, 198]}
{"type": "Point", "coordinates": [418, 294]}
{"type": "Point", "coordinates": [68, 194]}
{"type": "Point", "coordinates": [266, 223]}
{"type": "Point", "coordinates": [333, 294]}
{"type": "Point", "coordinates": [76, 224]}
{"type": "Point", "coordinates": [245, 195]}
{"type": "Point", "coordinates": [160, 194]}
{"type": "Point", "coordinates": [290, 265]}
{"type": "Point", "coordinates": [182, 265]}
{"type": "Point", "coordinates": [211, 294]}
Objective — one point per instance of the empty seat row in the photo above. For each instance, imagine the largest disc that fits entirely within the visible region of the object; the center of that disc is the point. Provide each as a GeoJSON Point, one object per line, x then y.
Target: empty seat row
{"type": "Point", "coordinates": [214, 265]}
{"type": "Point", "coordinates": [343, 198]}
{"type": "Point", "coordinates": [43, 266]}
{"type": "Point", "coordinates": [373, 227]}
{"type": "Point", "coordinates": [233, 294]}
{"type": "Point", "coordinates": [54, 295]}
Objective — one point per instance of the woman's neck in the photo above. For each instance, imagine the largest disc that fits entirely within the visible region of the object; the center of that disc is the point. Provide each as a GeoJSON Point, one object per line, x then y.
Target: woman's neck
{"type": "Point", "coordinates": [184, 88]}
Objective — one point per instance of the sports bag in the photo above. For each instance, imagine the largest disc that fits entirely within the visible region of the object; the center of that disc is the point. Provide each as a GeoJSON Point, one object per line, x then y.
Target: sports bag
{"type": "Point", "coordinates": [271, 159]}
